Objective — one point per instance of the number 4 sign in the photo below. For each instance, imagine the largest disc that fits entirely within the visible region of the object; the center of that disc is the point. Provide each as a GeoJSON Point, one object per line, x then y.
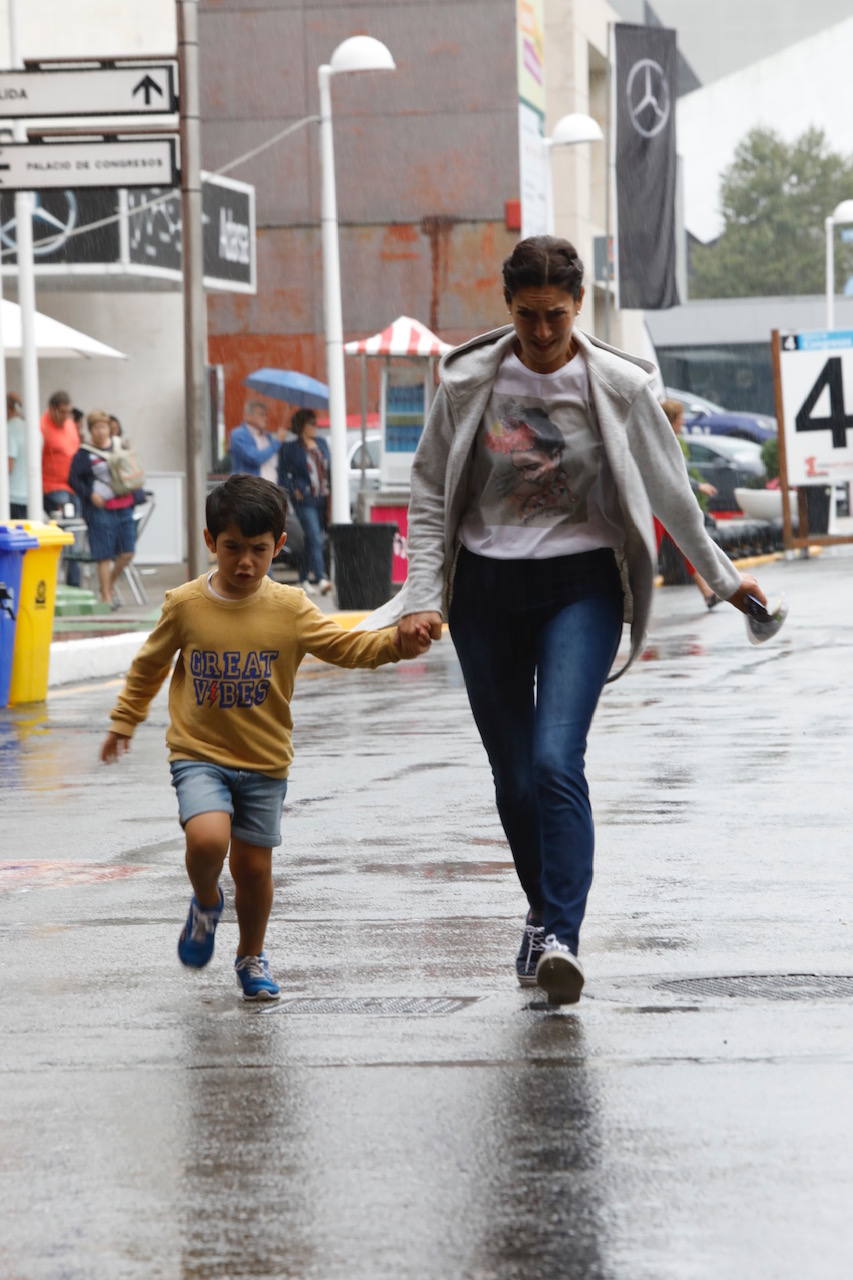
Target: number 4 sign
{"type": "Point", "coordinates": [814, 390]}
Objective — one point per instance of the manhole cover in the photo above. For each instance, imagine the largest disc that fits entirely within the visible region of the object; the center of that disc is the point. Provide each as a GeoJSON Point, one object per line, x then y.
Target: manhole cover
{"type": "Point", "coordinates": [767, 986]}
{"type": "Point", "coordinates": [379, 1006]}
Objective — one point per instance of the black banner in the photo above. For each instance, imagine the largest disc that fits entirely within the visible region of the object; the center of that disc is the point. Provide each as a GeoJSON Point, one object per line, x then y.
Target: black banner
{"type": "Point", "coordinates": [58, 217]}
{"type": "Point", "coordinates": [83, 226]}
{"type": "Point", "coordinates": [646, 59]}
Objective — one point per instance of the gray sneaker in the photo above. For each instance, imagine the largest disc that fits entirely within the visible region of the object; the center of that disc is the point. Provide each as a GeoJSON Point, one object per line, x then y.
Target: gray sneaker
{"type": "Point", "coordinates": [559, 972]}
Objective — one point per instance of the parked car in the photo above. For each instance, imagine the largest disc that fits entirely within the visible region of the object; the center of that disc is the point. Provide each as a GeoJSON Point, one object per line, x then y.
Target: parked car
{"type": "Point", "coordinates": [727, 463]}
{"type": "Point", "coordinates": [704, 417]}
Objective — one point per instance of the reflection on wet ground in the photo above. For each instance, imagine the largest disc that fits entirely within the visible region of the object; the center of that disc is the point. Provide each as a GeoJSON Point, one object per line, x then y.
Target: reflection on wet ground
{"type": "Point", "coordinates": [438, 870]}
{"type": "Point", "coordinates": [173, 1131]}
{"type": "Point", "coordinates": [674, 647]}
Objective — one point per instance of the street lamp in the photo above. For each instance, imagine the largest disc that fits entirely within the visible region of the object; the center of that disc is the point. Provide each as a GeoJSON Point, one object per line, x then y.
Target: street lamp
{"type": "Point", "coordinates": [841, 213]}
{"type": "Point", "coordinates": [358, 53]}
{"type": "Point", "coordinates": [568, 131]}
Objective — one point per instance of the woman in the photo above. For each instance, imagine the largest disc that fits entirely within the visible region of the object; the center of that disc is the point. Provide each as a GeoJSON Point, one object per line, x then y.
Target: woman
{"type": "Point", "coordinates": [530, 526]}
{"type": "Point", "coordinates": [303, 471]}
{"type": "Point", "coordinates": [108, 516]}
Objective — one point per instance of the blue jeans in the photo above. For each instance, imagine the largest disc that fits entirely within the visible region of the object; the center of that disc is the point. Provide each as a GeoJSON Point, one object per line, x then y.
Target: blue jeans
{"type": "Point", "coordinates": [536, 640]}
{"type": "Point", "coordinates": [313, 559]}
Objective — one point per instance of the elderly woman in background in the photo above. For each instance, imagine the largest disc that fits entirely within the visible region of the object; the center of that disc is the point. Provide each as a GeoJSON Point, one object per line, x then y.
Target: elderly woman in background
{"type": "Point", "coordinates": [108, 515]}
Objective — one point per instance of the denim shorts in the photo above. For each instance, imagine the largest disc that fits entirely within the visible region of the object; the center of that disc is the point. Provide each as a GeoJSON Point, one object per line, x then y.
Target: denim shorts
{"type": "Point", "coordinates": [253, 801]}
{"type": "Point", "coordinates": [112, 532]}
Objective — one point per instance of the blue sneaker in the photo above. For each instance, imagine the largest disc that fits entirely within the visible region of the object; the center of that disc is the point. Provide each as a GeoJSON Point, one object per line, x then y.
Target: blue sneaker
{"type": "Point", "coordinates": [195, 945]}
{"type": "Point", "coordinates": [532, 946]}
{"type": "Point", "coordinates": [253, 974]}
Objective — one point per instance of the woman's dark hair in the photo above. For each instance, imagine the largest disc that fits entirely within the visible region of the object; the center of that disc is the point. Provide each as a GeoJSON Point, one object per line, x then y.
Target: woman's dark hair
{"type": "Point", "coordinates": [256, 506]}
{"type": "Point", "coordinates": [543, 260]}
{"type": "Point", "coordinates": [300, 420]}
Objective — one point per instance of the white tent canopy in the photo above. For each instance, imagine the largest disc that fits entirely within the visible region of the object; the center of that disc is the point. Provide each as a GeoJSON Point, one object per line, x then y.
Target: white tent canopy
{"type": "Point", "coordinates": [403, 337]}
{"type": "Point", "coordinates": [53, 339]}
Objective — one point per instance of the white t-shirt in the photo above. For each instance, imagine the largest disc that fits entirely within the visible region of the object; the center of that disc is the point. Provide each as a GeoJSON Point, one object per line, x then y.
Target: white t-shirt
{"type": "Point", "coordinates": [541, 485]}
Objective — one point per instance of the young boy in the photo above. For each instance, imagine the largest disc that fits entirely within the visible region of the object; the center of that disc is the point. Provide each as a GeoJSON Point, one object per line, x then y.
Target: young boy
{"type": "Point", "coordinates": [239, 638]}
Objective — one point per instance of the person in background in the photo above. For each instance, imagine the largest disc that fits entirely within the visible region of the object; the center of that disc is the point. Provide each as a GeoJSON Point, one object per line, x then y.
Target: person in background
{"type": "Point", "coordinates": [16, 429]}
{"type": "Point", "coordinates": [116, 432]}
{"type": "Point", "coordinates": [674, 411]}
{"type": "Point", "coordinates": [60, 441]}
{"type": "Point", "coordinates": [304, 466]}
{"type": "Point", "coordinates": [254, 450]}
{"type": "Point", "coordinates": [108, 516]}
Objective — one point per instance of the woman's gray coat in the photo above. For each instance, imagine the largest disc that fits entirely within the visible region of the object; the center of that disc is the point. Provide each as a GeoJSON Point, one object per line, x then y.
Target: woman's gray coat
{"type": "Point", "coordinates": [645, 459]}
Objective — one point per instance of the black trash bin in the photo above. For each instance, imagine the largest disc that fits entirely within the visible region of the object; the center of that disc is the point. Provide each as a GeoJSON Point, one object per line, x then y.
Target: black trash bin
{"type": "Point", "coordinates": [361, 563]}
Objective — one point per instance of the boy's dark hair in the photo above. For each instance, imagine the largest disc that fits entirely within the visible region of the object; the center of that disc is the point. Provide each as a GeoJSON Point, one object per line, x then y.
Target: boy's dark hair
{"type": "Point", "coordinates": [300, 419]}
{"type": "Point", "coordinates": [543, 260]}
{"type": "Point", "coordinates": [256, 506]}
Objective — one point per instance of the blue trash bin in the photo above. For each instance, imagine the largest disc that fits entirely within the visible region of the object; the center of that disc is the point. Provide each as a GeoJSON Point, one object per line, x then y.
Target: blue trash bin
{"type": "Point", "coordinates": [14, 542]}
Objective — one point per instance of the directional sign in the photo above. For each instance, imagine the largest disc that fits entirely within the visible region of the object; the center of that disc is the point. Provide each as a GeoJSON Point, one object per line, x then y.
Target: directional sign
{"type": "Point", "coordinates": [98, 91]}
{"type": "Point", "coordinates": [36, 166]}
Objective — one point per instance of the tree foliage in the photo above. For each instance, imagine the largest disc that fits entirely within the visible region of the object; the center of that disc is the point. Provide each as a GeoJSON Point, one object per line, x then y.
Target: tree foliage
{"type": "Point", "coordinates": [774, 198]}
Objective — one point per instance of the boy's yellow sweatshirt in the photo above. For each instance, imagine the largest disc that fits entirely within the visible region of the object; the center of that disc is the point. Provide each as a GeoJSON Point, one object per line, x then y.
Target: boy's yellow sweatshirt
{"type": "Point", "coordinates": [229, 700]}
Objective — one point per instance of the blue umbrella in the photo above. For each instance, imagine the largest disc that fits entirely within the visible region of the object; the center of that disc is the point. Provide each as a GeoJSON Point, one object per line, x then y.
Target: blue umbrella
{"type": "Point", "coordinates": [286, 384]}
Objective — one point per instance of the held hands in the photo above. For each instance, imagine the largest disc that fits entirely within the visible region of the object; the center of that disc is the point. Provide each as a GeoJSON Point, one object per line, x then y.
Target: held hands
{"type": "Point", "coordinates": [113, 746]}
{"type": "Point", "coordinates": [748, 587]}
{"type": "Point", "coordinates": [416, 632]}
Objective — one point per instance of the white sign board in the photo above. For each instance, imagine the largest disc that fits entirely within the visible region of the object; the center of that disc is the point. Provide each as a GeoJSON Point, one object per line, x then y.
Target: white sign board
{"type": "Point", "coordinates": [94, 91]}
{"type": "Point", "coordinates": [36, 166]}
{"type": "Point", "coordinates": [535, 173]}
{"type": "Point", "coordinates": [817, 405]}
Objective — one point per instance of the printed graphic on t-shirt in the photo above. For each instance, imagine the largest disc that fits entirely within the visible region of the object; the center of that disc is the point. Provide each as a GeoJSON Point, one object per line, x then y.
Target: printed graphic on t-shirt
{"type": "Point", "coordinates": [540, 471]}
{"type": "Point", "coordinates": [232, 678]}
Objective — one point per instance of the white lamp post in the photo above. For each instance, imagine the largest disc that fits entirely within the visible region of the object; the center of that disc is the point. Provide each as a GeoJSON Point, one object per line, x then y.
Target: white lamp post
{"type": "Point", "coordinates": [841, 213]}
{"type": "Point", "coordinates": [359, 53]}
{"type": "Point", "coordinates": [568, 131]}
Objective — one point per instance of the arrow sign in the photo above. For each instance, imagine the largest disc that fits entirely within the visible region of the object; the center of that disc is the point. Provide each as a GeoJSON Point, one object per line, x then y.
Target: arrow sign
{"type": "Point", "coordinates": [148, 86]}
{"type": "Point", "coordinates": [93, 91]}
{"type": "Point", "coordinates": [39, 166]}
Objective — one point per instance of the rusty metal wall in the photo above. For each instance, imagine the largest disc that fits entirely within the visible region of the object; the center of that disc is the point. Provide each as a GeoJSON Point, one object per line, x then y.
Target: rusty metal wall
{"type": "Point", "coordinates": [426, 161]}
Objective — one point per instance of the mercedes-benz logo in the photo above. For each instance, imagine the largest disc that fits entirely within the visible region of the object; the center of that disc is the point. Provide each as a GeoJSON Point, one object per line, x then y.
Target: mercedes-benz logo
{"type": "Point", "coordinates": [648, 97]}
{"type": "Point", "coordinates": [51, 226]}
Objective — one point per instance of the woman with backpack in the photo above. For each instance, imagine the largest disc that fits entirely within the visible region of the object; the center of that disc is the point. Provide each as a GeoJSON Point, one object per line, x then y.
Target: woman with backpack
{"type": "Point", "coordinates": [105, 475]}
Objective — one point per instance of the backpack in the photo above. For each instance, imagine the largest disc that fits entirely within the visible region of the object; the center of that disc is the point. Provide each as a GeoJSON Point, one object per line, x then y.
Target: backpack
{"type": "Point", "coordinates": [126, 472]}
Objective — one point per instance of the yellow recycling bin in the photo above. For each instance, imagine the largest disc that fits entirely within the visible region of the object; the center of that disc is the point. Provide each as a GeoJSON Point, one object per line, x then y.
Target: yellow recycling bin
{"type": "Point", "coordinates": [36, 606]}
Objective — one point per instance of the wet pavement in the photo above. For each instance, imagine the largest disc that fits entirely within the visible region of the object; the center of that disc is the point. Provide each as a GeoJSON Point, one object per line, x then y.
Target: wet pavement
{"type": "Point", "coordinates": [406, 1110]}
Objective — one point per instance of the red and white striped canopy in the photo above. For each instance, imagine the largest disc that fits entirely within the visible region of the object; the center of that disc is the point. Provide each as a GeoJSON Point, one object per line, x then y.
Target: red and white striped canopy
{"type": "Point", "coordinates": [405, 337]}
